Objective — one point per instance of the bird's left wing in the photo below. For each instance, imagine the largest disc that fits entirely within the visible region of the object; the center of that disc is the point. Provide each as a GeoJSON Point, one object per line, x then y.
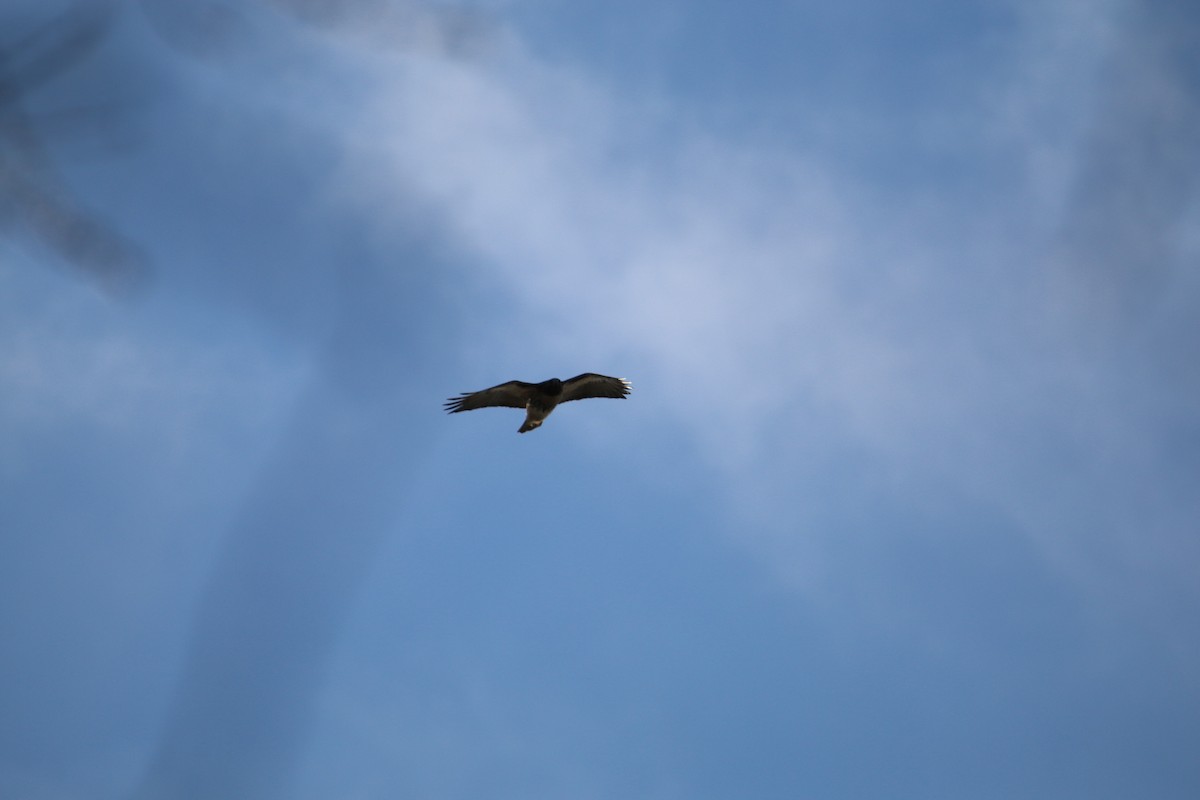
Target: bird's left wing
{"type": "Point", "coordinates": [589, 384]}
{"type": "Point", "coordinates": [514, 394]}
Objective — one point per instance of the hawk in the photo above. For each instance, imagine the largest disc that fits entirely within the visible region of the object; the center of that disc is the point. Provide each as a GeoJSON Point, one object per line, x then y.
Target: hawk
{"type": "Point", "coordinates": [539, 399]}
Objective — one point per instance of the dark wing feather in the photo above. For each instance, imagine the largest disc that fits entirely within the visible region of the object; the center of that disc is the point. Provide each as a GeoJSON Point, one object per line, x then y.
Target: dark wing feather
{"type": "Point", "coordinates": [589, 384]}
{"type": "Point", "coordinates": [514, 394]}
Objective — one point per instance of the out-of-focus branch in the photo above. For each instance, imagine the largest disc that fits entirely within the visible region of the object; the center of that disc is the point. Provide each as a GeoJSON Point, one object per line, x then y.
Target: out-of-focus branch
{"type": "Point", "coordinates": [34, 200]}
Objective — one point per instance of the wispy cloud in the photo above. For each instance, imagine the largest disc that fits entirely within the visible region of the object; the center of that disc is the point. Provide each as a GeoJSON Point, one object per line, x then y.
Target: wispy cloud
{"type": "Point", "coordinates": [85, 362]}
{"type": "Point", "coordinates": [788, 309]}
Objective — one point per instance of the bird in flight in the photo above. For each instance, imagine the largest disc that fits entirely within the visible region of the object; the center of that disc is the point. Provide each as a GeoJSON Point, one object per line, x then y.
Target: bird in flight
{"type": "Point", "coordinates": [539, 399]}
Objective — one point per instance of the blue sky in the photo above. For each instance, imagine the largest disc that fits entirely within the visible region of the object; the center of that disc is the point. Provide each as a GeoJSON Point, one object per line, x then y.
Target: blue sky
{"type": "Point", "coordinates": [903, 502]}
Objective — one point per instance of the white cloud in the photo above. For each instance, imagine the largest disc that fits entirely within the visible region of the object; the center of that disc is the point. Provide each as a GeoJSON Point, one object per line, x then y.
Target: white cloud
{"type": "Point", "coordinates": [787, 308]}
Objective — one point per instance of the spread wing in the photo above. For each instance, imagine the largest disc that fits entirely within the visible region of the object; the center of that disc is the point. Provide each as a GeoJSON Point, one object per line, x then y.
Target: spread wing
{"type": "Point", "coordinates": [589, 384]}
{"type": "Point", "coordinates": [514, 394]}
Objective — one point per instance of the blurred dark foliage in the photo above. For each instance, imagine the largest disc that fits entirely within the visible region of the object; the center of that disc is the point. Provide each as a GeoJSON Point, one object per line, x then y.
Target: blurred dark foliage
{"type": "Point", "coordinates": [37, 205]}
{"type": "Point", "coordinates": [35, 202]}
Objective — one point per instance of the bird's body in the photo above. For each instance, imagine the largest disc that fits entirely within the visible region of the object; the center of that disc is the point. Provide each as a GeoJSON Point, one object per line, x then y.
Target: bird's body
{"type": "Point", "coordinates": [539, 399]}
{"type": "Point", "coordinates": [542, 400]}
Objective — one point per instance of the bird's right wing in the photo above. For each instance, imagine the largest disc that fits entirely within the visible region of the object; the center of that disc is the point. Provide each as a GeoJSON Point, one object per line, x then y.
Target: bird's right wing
{"type": "Point", "coordinates": [514, 394]}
